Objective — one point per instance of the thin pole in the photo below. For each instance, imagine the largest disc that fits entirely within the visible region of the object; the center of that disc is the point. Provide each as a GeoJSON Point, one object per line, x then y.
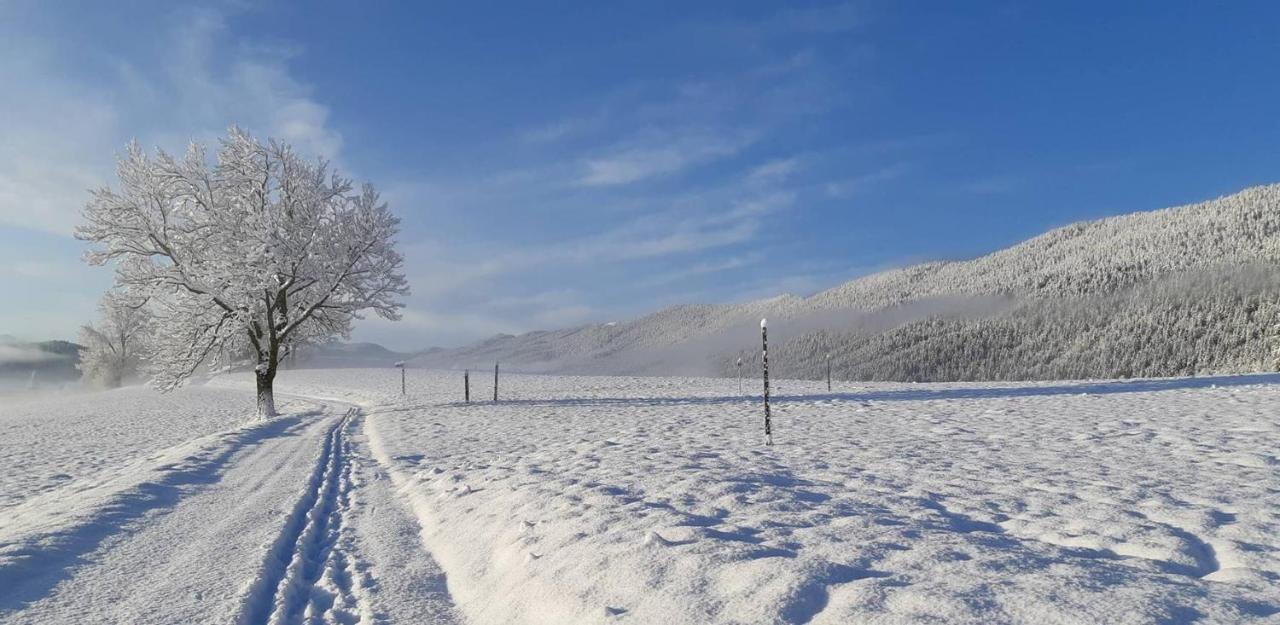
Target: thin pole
{"type": "Point", "coordinates": [764, 357]}
{"type": "Point", "coordinates": [739, 375]}
{"type": "Point", "coordinates": [402, 380]}
{"type": "Point", "coordinates": [828, 372]}
{"type": "Point", "coordinates": [466, 385]}
{"type": "Point", "coordinates": [495, 381]}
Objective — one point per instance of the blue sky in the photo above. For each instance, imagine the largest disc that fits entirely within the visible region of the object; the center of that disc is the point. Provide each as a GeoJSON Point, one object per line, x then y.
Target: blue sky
{"type": "Point", "coordinates": [591, 162]}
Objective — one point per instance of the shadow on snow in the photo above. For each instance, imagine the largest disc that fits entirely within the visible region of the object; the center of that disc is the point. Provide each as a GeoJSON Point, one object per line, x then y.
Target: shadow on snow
{"type": "Point", "coordinates": [33, 566]}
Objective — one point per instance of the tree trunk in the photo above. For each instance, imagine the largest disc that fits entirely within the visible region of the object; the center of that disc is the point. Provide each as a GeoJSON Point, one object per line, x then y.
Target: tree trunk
{"type": "Point", "coordinates": [266, 376]}
{"type": "Point", "coordinates": [265, 372]}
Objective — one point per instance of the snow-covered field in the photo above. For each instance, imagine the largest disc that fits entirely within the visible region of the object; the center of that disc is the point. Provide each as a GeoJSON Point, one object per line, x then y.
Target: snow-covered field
{"type": "Point", "coordinates": [50, 440]}
{"type": "Point", "coordinates": [646, 500]}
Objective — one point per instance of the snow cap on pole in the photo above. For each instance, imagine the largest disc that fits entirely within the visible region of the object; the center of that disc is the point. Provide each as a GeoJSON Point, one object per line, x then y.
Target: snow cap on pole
{"type": "Point", "coordinates": [764, 323]}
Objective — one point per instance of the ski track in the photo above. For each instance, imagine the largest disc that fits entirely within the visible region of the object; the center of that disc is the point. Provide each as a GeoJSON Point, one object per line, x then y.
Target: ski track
{"type": "Point", "coordinates": [310, 574]}
{"type": "Point", "coordinates": [350, 550]}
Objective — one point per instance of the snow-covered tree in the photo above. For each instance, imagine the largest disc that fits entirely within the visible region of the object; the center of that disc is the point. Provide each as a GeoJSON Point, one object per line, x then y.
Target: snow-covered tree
{"type": "Point", "coordinates": [115, 346]}
{"type": "Point", "coordinates": [257, 253]}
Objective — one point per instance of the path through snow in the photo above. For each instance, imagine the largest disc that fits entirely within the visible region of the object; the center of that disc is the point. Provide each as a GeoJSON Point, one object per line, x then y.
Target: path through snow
{"type": "Point", "coordinates": [278, 521]}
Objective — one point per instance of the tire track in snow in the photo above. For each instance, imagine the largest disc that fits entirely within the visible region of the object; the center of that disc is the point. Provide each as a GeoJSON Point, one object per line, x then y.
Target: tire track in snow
{"type": "Point", "coordinates": [309, 575]}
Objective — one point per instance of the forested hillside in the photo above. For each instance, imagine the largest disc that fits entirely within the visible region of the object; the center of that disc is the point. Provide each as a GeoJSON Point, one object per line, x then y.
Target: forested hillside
{"type": "Point", "coordinates": [1179, 291]}
{"type": "Point", "coordinates": [1210, 322]}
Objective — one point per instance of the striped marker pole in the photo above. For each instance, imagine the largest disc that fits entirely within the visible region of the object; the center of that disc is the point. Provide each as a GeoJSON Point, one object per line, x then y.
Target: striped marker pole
{"type": "Point", "coordinates": [764, 357]}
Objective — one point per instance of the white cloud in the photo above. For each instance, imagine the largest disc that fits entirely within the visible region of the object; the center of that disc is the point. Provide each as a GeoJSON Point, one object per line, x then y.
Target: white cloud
{"type": "Point", "coordinates": [848, 187]}
{"type": "Point", "coordinates": [559, 130]}
{"type": "Point", "coordinates": [701, 269]}
{"type": "Point", "coordinates": [463, 291]}
{"type": "Point", "coordinates": [775, 170]}
{"type": "Point", "coordinates": [48, 133]}
{"type": "Point", "coordinates": [587, 171]}
{"type": "Point", "coordinates": [662, 234]}
{"type": "Point", "coordinates": [61, 135]}
{"type": "Point", "coordinates": [655, 156]}
{"type": "Point", "coordinates": [434, 269]}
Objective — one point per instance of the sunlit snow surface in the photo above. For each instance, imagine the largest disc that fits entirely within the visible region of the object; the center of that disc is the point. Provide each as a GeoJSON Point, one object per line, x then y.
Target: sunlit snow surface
{"type": "Point", "coordinates": [643, 500]}
{"type": "Point", "coordinates": [50, 440]}
{"type": "Point", "coordinates": [585, 499]}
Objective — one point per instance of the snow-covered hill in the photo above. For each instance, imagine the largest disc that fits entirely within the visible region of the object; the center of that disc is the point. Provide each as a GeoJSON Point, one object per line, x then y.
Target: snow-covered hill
{"type": "Point", "coordinates": [1178, 291]}
{"type": "Point", "coordinates": [349, 355]}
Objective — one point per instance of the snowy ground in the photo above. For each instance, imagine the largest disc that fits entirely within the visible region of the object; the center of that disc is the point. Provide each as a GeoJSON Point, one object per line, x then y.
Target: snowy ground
{"type": "Point", "coordinates": [595, 500]}
{"type": "Point", "coordinates": [47, 441]}
{"type": "Point", "coordinates": [185, 508]}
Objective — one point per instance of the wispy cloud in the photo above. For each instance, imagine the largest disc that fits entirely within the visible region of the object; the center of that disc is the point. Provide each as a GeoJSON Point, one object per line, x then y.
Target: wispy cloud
{"type": "Point", "coordinates": [687, 172]}
{"type": "Point", "coordinates": [847, 187]}
{"type": "Point", "coordinates": [562, 129]}
{"type": "Point", "coordinates": [660, 155]}
{"type": "Point", "coordinates": [551, 132]}
{"type": "Point", "coordinates": [656, 235]}
{"type": "Point", "coordinates": [774, 170]}
{"type": "Point", "coordinates": [701, 269]}
{"type": "Point", "coordinates": [691, 229]}
{"type": "Point", "coordinates": [654, 177]}
{"type": "Point", "coordinates": [60, 136]}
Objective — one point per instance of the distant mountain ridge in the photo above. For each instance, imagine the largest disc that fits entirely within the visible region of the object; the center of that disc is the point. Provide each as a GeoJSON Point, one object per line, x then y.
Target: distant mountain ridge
{"type": "Point", "coordinates": [343, 355]}
{"type": "Point", "coordinates": [1196, 283]}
